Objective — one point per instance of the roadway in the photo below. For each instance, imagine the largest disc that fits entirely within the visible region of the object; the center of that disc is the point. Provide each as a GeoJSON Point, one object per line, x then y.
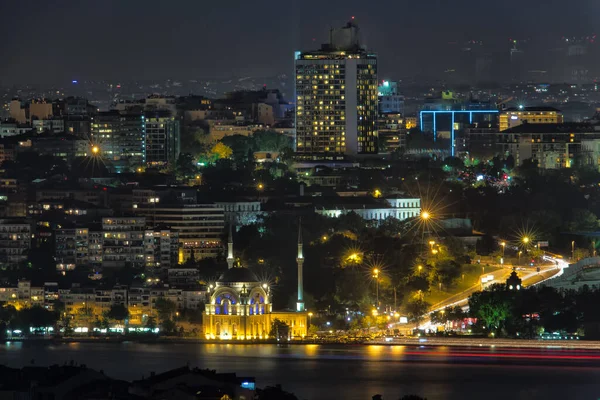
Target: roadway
{"type": "Point", "coordinates": [529, 277]}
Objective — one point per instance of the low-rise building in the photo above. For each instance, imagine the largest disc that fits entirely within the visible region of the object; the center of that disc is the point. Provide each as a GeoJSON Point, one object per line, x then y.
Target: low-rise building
{"type": "Point", "coordinates": [551, 146]}
{"type": "Point", "coordinates": [240, 213]}
{"type": "Point", "coordinates": [512, 117]}
{"type": "Point", "coordinates": [394, 207]}
{"type": "Point", "coordinates": [181, 276]}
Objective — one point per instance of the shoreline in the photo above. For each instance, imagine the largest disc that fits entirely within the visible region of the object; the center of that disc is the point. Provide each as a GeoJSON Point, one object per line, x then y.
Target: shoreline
{"type": "Point", "coordinates": [423, 341]}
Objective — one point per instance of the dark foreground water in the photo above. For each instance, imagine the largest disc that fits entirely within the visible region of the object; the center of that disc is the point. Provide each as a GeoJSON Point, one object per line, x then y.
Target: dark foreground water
{"type": "Point", "coordinates": [354, 372]}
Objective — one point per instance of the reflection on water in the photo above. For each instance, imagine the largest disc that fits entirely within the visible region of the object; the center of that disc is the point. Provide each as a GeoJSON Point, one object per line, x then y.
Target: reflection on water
{"type": "Point", "coordinates": [349, 372]}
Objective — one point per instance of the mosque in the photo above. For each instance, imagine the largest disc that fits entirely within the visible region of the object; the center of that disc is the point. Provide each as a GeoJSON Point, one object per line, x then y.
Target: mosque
{"type": "Point", "coordinates": [240, 304]}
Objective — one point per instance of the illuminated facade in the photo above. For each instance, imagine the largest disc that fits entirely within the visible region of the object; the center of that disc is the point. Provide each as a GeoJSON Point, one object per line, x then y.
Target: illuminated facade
{"type": "Point", "coordinates": [199, 226]}
{"type": "Point", "coordinates": [336, 99]}
{"type": "Point", "coordinates": [552, 146]}
{"type": "Point", "coordinates": [392, 134]}
{"type": "Point", "coordinates": [240, 305]}
{"type": "Point", "coordinates": [121, 139]}
{"type": "Point", "coordinates": [512, 117]}
{"type": "Point", "coordinates": [163, 136]}
{"type": "Point", "coordinates": [390, 100]}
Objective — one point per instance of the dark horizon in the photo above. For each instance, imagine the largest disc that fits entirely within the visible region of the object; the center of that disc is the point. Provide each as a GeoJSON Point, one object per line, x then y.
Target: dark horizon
{"type": "Point", "coordinates": [52, 43]}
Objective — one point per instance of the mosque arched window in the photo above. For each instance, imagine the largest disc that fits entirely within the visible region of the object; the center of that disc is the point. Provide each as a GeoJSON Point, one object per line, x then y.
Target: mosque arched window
{"type": "Point", "coordinates": [223, 303]}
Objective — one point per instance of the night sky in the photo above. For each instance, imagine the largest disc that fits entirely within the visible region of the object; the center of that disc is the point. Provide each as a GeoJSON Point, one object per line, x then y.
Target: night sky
{"type": "Point", "coordinates": [54, 41]}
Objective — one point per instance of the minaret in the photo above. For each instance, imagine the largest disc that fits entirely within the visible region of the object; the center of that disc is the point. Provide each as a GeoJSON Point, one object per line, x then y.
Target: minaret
{"type": "Point", "coordinates": [230, 249]}
{"type": "Point", "coordinates": [300, 262]}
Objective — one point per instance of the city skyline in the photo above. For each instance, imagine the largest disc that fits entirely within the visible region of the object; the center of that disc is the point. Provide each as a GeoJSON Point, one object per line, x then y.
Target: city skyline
{"type": "Point", "coordinates": [186, 40]}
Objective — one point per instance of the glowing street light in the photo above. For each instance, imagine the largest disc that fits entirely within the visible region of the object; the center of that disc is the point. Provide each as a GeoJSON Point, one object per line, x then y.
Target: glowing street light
{"type": "Point", "coordinates": [526, 240]}
{"type": "Point", "coordinates": [520, 252]}
{"type": "Point", "coordinates": [377, 193]}
{"type": "Point", "coordinates": [376, 276]}
{"type": "Point", "coordinates": [95, 150]}
{"type": "Point", "coordinates": [503, 244]}
{"type": "Point", "coordinates": [420, 268]}
{"type": "Point", "coordinates": [261, 186]}
{"type": "Point", "coordinates": [425, 215]}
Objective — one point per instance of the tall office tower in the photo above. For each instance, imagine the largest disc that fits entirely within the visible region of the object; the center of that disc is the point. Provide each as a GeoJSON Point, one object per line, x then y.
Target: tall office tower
{"type": "Point", "coordinates": [121, 139]}
{"type": "Point", "coordinates": [336, 98]}
{"type": "Point", "coordinates": [163, 134]}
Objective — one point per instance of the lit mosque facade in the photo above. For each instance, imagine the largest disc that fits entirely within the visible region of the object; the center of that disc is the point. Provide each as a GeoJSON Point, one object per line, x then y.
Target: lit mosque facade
{"type": "Point", "coordinates": [240, 304]}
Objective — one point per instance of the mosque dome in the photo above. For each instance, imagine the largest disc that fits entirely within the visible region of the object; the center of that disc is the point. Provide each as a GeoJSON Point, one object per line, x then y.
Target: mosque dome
{"type": "Point", "coordinates": [238, 274]}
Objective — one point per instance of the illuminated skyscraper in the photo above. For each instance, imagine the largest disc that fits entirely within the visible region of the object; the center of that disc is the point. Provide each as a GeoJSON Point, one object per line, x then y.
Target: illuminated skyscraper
{"type": "Point", "coordinates": [336, 98]}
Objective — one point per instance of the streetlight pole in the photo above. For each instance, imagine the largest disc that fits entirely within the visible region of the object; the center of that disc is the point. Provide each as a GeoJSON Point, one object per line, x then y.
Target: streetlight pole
{"type": "Point", "coordinates": [376, 276]}
{"type": "Point", "coordinates": [573, 251]}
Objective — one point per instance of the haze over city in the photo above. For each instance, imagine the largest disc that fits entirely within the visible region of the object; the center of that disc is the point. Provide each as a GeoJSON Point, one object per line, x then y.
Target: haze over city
{"type": "Point", "coordinates": [184, 39]}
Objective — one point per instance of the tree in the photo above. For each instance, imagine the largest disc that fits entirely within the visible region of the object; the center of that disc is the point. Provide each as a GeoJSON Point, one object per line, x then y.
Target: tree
{"type": "Point", "coordinates": [448, 271]}
{"type": "Point", "coordinates": [34, 317]}
{"type": "Point", "coordinates": [415, 309]}
{"type": "Point", "coordinates": [582, 220]}
{"type": "Point", "coordinates": [279, 330]}
{"type": "Point", "coordinates": [150, 323]}
{"type": "Point", "coordinates": [581, 253]}
{"type": "Point", "coordinates": [117, 312]}
{"type": "Point", "coordinates": [492, 307]}
{"type": "Point", "coordinates": [165, 308]}
{"type": "Point", "coordinates": [274, 393]}
{"type": "Point", "coordinates": [168, 326]}
{"type": "Point", "coordinates": [185, 166]}
{"type": "Point", "coordinates": [267, 140]}
{"type": "Point", "coordinates": [486, 245]}
{"type": "Point", "coordinates": [240, 148]}
{"type": "Point", "coordinates": [220, 151]}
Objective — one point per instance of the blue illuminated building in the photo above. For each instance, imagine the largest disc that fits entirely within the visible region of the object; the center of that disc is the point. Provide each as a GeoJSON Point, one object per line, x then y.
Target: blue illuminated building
{"type": "Point", "coordinates": [446, 114]}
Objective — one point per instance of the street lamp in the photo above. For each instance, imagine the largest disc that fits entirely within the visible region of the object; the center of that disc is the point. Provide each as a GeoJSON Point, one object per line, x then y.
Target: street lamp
{"type": "Point", "coordinates": [309, 318]}
{"type": "Point", "coordinates": [425, 215]}
{"type": "Point", "coordinates": [525, 240]}
{"type": "Point", "coordinates": [420, 268]}
{"type": "Point", "coordinates": [95, 150]}
{"type": "Point", "coordinates": [520, 252]}
{"type": "Point", "coordinates": [503, 244]}
{"type": "Point", "coordinates": [376, 276]}
{"type": "Point", "coordinates": [573, 250]}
